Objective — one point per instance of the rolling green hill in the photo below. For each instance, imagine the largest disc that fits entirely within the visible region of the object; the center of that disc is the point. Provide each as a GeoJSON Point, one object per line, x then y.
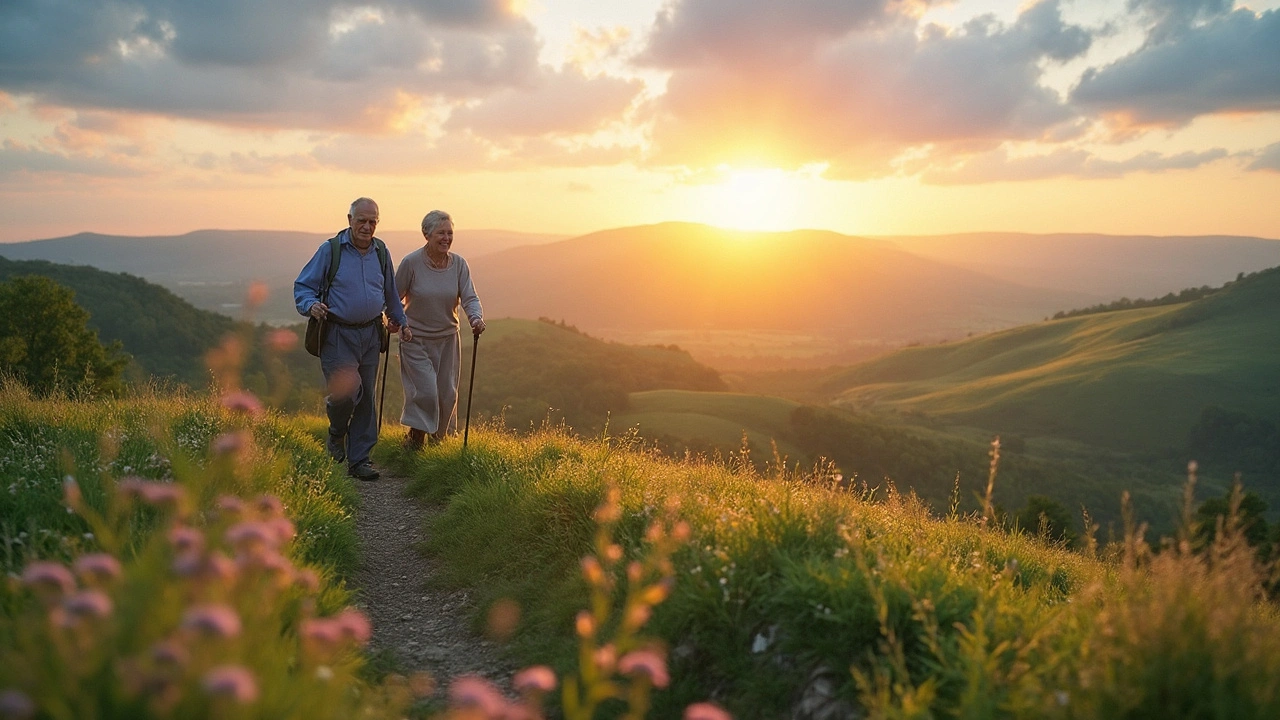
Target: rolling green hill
{"type": "Point", "coordinates": [1134, 380]}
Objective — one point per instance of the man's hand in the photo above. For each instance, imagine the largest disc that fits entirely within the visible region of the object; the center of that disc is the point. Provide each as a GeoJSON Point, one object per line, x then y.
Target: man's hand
{"type": "Point", "coordinates": [318, 310]}
{"type": "Point", "coordinates": [477, 326]}
{"type": "Point", "coordinates": [393, 326]}
{"type": "Point", "coordinates": [406, 335]}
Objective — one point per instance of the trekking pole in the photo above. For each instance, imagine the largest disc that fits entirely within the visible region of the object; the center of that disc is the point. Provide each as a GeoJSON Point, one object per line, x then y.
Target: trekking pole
{"type": "Point", "coordinates": [382, 396]}
{"type": "Point", "coordinates": [475, 344]}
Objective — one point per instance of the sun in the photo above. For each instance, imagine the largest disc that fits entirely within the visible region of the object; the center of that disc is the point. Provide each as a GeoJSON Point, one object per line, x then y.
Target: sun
{"type": "Point", "coordinates": [753, 199]}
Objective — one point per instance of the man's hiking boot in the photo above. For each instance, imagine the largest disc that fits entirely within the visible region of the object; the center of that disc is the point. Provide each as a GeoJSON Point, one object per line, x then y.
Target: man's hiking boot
{"type": "Point", "coordinates": [337, 447]}
{"type": "Point", "coordinates": [363, 471]}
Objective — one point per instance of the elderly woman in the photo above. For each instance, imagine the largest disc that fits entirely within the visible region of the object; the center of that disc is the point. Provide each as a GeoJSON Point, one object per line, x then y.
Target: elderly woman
{"type": "Point", "coordinates": [432, 283]}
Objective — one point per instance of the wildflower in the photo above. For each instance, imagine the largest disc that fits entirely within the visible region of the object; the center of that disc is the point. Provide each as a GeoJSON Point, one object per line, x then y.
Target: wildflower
{"type": "Point", "coordinates": [87, 604]}
{"type": "Point", "coordinates": [320, 634]}
{"type": "Point", "coordinates": [470, 691]}
{"type": "Point", "coordinates": [282, 340]}
{"type": "Point", "coordinates": [251, 537]}
{"type": "Point", "coordinates": [586, 626]}
{"type": "Point", "coordinates": [242, 402]}
{"type": "Point", "coordinates": [97, 568]}
{"type": "Point", "coordinates": [354, 625]}
{"type": "Point", "coordinates": [257, 294]}
{"type": "Point", "coordinates": [591, 571]}
{"type": "Point", "coordinates": [538, 678]}
{"type": "Point", "coordinates": [230, 505]}
{"type": "Point", "coordinates": [283, 529]}
{"type": "Point", "coordinates": [169, 653]}
{"type": "Point", "coordinates": [220, 567]}
{"type": "Point", "coordinates": [272, 564]}
{"type": "Point", "coordinates": [637, 616]}
{"type": "Point", "coordinates": [186, 540]}
{"type": "Point", "coordinates": [15, 704]}
{"type": "Point", "coordinates": [229, 443]}
{"type": "Point", "coordinates": [49, 579]}
{"type": "Point", "coordinates": [270, 506]}
{"type": "Point", "coordinates": [307, 579]}
{"type": "Point", "coordinates": [605, 658]}
{"type": "Point", "coordinates": [165, 496]}
{"type": "Point", "coordinates": [705, 711]}
{"type": "Point", "coordinates": [647, 663]}
{"type": "Point", "coordinates": [613, 553]}
{"type": "Point", "coordinates": [231, 681]}
{"type": "Point", "coordinates": [71, 491]}
{"type": "Point", "coordinates": [212, 620]}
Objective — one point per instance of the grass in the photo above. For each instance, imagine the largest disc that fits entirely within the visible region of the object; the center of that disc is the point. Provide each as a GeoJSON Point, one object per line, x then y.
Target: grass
{"type": "Point", "coordinates": [1135, 380]}
{"type": "Point", "coordinates": [221, 536]}
{"type": "Point", "coordinates": [789, 585]}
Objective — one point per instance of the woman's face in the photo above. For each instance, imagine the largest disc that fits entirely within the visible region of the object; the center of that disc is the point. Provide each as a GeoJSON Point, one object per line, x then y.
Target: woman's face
{"type": "Point", "coordinates": [440, 239]}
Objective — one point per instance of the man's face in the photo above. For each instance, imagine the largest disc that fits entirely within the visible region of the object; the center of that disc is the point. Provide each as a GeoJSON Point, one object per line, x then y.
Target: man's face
{"type": "Point", "coordinates": [363, 222]}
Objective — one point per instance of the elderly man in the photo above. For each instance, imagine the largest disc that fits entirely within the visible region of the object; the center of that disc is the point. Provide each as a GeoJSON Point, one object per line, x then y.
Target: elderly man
{"type": "Point", "coordinates": [351, 304]}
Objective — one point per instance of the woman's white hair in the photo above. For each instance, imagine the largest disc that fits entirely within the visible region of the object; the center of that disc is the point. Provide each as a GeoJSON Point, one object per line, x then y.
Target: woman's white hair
{"type": "Point", "coordinates": [434, 218]}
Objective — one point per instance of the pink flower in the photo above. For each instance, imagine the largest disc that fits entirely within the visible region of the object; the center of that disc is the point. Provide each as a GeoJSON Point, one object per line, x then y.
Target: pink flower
{"type": "Point", "coordinates": [645, 662]}
{"type": "Point", "coordinates": [705, 711]}
{"type": "Point", "coordinates": [307, 579]}
{"type": "Point", "coordinates": [320, 633]}
{"type": "Point", "coordinates": [282, 340]}
{"type": "Point", "coordinates": [220, 567]}
{"type": "Point", "coordinates": [606, 657]}
{"type": "Point", "coordinates": [49, 578]}
{"type": "Point", "coordinates": [231, 681]}
{"type": "Point", "coordinates": [15, 704]}
{"type": "Point", "coordinates": [282, 527]}
{"type": "Point", "coordinates": [270, 563]}
{"type": "Point", "coordinates": [230, 505]}
{"type": "Point", "coordinates": [168, 652]}
{"type": "Point", "coordinates": [538, 678]}
{"type": "Point", "coordinates": [87, 604]}
{"type": "Point", "coordinates": [212, 620]}
{"type": "Point", "coordinates": [270, 506]}
{"type": "Point", "coordinates": [242, 402]}
{"type": "Point", "coordinates": [470, 691]}
{"type": "Point", "coordinates": [97, 567]}
{"type": "Point", "coordinates": [252, 537]}
{"type": "Point", "coordinates": [186, 540]}
{"type": "Point", "coordinates": [163, 495]}
{"type": "Point", "coordinates": [229, 443]}
{"type": "Point", "coordinates": [354, 625]}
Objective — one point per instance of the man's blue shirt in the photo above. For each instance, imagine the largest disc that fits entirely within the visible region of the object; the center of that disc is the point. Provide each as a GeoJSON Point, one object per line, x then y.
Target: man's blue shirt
{"type": "Point", "coordinates": [361, 289]}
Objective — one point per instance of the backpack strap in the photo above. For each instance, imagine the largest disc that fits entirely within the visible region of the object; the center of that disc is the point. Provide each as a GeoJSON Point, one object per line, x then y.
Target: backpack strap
{"type": "Point", "coordinates": [335, 259]}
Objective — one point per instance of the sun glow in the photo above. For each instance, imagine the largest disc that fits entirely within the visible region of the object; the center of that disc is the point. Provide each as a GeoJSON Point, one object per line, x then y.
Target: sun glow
{"type": "Point", "coordinates": [753, 200]}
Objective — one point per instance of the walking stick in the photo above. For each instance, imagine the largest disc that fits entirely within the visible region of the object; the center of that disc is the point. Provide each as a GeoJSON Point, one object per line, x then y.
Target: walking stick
{"type": "Point", "coordinates": [382, 396]}
{"type": "Point", "coordinates": [475, 344]}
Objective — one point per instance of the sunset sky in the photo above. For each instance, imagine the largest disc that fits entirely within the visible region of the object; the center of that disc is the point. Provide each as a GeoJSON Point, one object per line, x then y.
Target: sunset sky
{"type": "Point", "coordinates": [568, 116]}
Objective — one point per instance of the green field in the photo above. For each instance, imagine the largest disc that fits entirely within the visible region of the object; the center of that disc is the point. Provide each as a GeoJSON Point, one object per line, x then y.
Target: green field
{"type": "Point", "coordinates": [1135, 380]}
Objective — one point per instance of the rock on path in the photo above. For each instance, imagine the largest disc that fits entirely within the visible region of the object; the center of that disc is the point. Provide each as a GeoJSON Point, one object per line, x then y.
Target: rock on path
{"type": "Point", "coordinates": [424, 628]}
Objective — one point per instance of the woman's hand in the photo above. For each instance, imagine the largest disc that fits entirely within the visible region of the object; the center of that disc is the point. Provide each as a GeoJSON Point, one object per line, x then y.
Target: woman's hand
{"type": "Point", "coordinates": [406, 335]}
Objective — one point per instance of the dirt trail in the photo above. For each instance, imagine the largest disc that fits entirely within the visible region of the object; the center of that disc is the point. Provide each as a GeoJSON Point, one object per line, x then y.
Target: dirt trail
{"type": "Point", "coordinates": [423, 627]}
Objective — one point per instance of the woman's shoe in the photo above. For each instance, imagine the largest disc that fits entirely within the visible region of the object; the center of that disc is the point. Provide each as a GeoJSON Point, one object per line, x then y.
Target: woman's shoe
{"type": "Point", "coordinates": [413, 441]}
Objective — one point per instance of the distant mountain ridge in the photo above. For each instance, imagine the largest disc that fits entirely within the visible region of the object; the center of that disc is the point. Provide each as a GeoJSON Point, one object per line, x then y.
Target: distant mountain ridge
{"type": "Point", "coordinates": [1153, 266]}
{"type": "Point", "coordinates": [692, 277]}
{"type": "Point", "coordinates": [745, 300]}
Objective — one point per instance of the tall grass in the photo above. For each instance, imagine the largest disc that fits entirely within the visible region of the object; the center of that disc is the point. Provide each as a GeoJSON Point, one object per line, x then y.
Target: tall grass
{"type": "Point", "coordinates": [796, 594]}
{"type": "Point", "coordinates": [176, 557]}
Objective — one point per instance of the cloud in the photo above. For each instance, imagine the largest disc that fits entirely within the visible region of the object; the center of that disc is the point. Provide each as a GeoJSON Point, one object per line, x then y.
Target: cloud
{"type": "Point", "coordinates": [18, 159]}
{"type": "Point", "coordinates": [565, 103]}
{"type": "Point", "coordinates": [1267, 159]}
{"type": "Point", "coordinates": [1227, 63]}
{"type": "Point", "coordinates": [300, 63]}
{"type": "Point", "coordinates": [850, 84]}
{"type": "Point", "coordinates": [999, 166]}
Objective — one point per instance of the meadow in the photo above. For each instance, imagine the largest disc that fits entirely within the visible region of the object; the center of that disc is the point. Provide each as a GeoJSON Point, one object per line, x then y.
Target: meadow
{"type": "Point", "coordinates": [767, 592]}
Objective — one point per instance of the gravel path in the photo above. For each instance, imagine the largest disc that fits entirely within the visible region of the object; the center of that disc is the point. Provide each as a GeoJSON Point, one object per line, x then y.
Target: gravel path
{"type": "Point", "coordinates": [423, 627]}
